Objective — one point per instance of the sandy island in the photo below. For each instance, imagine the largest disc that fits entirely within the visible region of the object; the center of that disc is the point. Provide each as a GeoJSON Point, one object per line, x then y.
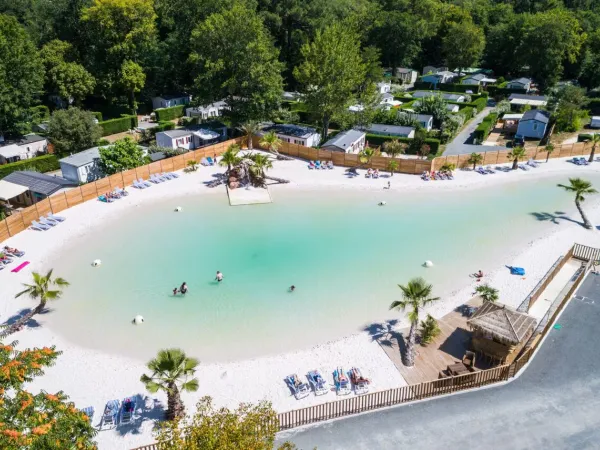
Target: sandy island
{"type": "Point", "coordinates": [91, 377]}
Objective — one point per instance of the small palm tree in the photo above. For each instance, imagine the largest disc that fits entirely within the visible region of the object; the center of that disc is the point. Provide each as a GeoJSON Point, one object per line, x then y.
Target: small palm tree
{"type": "Point", "coordinates": [192, 165]}
{"type": "Point", "coordinates": [271, 142]}
{"type": "Point", "coordinates": [261, 164]}
{"type": "Point", "coordinates": [517, 154]}
{"type": "Point", "coordinates": [366, 155]}
{"type": "Point", "coordinates": [230, 157]}
{"type": "Point", "coordinates": [394, 148]}
{"type": "Point", "coordinates": [392, 167]}
{"type": "Point", "coordinates": [171, 372]}
{"type": "Point", "coordinates": [487, 292]}
{"type": "Point", "coordinates": [415, 295]}
{"type": "Point", "coordinates": [249, 129]}
{"type": "Point", "coordinates": [475, 158]}
{"type": "Point", "coordinates": [40, 289]}
{"type": "Point", "coordinates": [429, 330]}
{"type": "Point", "coordinates": [595, 139]}
{"type": "Point", "coordinates": [448, 167]}
{"type": "Point", "coordinates": [580, 187]}
{"type": "Point", "coordinates": [549, 149]}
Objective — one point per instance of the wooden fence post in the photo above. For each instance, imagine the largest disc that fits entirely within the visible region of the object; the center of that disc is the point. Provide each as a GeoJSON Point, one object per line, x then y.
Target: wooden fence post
{"type": "Point", "coordinates": [7, 229]}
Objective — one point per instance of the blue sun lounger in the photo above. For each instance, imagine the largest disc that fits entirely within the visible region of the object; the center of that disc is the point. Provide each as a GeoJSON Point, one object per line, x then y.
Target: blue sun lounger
{"type": "Point", "coordinates": [110, 417]}
{"type": "Point", "coordinates": [298, 388]}
{"type": "Point", "coordinates": [342, 384]}
{"type": "Point", "coordinates": [128, 409]}
{"type": "Point", "coordinates": [516, 270]}
{"type": "Point", "coordinates": [211, 162]}
{"type": "Point", "coordinates": [317, 382]}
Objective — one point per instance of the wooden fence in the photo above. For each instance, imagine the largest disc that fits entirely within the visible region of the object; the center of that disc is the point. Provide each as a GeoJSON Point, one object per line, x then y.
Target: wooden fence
{"type": "Point", "coordinates": [585, 253]}
{"type": "Point", "coordinates": [20, 220]}
{"type": "Point", "coordinates": [413, 166]}
{"type": "Point", "coordinates": [501, 156]}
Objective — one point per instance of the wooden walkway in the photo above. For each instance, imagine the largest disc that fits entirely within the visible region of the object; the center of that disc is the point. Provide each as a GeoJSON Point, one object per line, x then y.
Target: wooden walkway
{"type": "Point", "coordinates": [449, 347]}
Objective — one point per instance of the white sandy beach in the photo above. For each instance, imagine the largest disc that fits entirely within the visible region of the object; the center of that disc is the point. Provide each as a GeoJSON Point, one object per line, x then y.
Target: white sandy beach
{"type": "Point", "coordinates": [91, 378]}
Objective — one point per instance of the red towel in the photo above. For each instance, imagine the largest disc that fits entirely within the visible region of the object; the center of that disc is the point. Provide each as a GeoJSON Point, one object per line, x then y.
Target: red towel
{"type": "Point", "coordinates": [20, 267]}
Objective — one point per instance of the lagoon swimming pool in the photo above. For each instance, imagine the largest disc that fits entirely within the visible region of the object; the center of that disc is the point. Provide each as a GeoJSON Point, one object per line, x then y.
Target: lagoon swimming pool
{"type": "Point", "coordinates": [345, 254]}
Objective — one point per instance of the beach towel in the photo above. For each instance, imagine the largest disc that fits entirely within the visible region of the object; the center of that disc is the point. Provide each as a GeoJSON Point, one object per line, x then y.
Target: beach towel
{"type": "Point", "coordinates": [20, 267]}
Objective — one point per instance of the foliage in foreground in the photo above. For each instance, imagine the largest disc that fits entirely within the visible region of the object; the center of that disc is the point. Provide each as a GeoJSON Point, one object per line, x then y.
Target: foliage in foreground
{"type": "Point", "coordinates": [250, 427]}
{"type": "Point", "coordinates": [37, 421]}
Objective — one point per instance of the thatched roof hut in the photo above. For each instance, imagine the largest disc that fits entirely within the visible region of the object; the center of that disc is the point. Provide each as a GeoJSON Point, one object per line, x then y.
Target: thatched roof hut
{"type": "Point", "coordinates": [502, 323]}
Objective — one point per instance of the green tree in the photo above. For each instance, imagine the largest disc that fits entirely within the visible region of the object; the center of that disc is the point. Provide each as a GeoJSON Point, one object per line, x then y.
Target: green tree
{"type": "Point", "coordinates": [448, 167]}
{"type": "Point", "coordinates": [392, 166]}
{"type": "Point", "coordinates": [124, 154]}
{"type": "Point", "coordinates": [463, 45]}
{"type": "Point", "coordinates": [475, 158]}
{"type": "Point", "coordinates": [331, 71]}
{"type": "Point", "coordinates": [248, 427]}
{"type": "Point", "coordinates": [415, 295]}
{"type": "Point", "coordinates": [549, 149]}
{"type": "Point", "coordinates": [595, 139]}
{"type": "Point", "coordinates": [517, 154]}
{"type": "Point", "coordinates": [37, 421]}
{"type": "Point", "coordinates": [171, 372]}
{"type": "Point", "coordinates": [65, 78]}
{"type": "Point", "coordinates": [261, 164]}
{"type": "Point", "coordinates": [73, 130]}
{"type": "Point", "coordinates": [567, 106]}
{"type": "Point", "coordinates": [249, 129]}
{"type": "Point", "coordinates": [366, 155]}
{"type": "Point", "coordinates": [271, 142]}
{"type": "Point", "coordinates": [21, 74]}
{"type": "Point", "coordinates": [487, 292]}
{"type": "Point", "coordinates": [133, 79]}
{"type": "Point", "coordinates": [435, 106]}
{"type": "Point", "coordinates": [230, 157]}
{"type": "Point", "coordinates": [394, 148]}
{"type": "Point", "coordinates": [43, 288]}
{"type": "Point", "coordinates": [580, 187]}
{"type": "Point", "coordinates": [429, 330]}
{"type": "Point", "coordinates": [235, 59]}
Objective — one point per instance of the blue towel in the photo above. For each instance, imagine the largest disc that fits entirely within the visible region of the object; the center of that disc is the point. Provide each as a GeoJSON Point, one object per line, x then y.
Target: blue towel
{"type": "Point", "coordinates": [517, 271]}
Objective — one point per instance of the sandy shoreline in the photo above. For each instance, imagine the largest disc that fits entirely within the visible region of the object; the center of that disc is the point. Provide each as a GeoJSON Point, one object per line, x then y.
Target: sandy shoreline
{"type": "Point", "coordinates": [91, 377]}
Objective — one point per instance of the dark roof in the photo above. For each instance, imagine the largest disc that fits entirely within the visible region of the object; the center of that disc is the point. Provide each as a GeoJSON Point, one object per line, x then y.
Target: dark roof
{"type": "Point", "coordinates": [172, 96]}
{"type": "Point", "coordinates": [378, 128]}
{"type": "Point", "coordinates": [527, 97]}
{"type": "Point", "coordinates": [521, 81]}
{"type": "Point", "coordinates": [292, 130]}
{"type": "Point", "coordinates": [157, 156]}
{"type": "Point", "coordinates": [24, 140]}
{"type": "Point", "coordinates": [535, 114]}
{"type": "Point", "coordinates": [39, 182]}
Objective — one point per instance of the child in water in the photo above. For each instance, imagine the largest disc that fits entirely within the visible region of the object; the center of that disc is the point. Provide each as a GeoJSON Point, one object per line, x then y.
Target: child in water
{"type": "Point", "coordinates": [219, 276]}
{"type": "Point", "coordinates": [292, 288]}
{"type": "Point", "coordinates": [174, 291]}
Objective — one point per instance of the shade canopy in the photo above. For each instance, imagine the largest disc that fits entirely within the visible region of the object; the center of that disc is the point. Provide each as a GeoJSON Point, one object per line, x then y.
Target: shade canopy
{"type": "Point", "coordinates": [502, 323]}
{"type": "Point", "coordinates": [10, 190]}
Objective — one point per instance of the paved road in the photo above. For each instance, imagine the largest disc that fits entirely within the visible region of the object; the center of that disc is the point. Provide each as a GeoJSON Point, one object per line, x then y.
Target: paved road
{"type": "Point", "coordinates": [554, 404]}
{"type": "Point", "coordinates": [462, 143]}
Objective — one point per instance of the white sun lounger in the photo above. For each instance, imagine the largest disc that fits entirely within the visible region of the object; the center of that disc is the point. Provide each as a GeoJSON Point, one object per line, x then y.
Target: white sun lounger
{"type": "Point", "coordinates": [39, 226]}
{"type": "Point", "coordinates": [144, 182]}
{"type": "Point", "coordinates": [57, 218]}
{"type": "Point", "coordinates": [50, 223]}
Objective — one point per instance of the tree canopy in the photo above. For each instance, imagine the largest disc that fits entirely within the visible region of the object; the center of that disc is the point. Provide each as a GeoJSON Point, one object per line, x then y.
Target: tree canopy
{"type": "Point", "coordinates": [73, 130]}
{"type": "Point", "coordinates": [124, 154]}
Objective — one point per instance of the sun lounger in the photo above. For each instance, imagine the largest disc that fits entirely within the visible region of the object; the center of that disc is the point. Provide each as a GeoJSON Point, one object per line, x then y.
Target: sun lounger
{"type": "Point", "coordinates": [425, 176]}
{"type": "Point", "coordinates": [317, 382]}
{"type": "Point", "coordinates": [89, 412]}
{"type": "Point", "coordinates": [55, 217]}
{"type": "Point", "coordinates": [168, 176]}
{"type": "Point", "coordinates": [361, 384]}
{"type": "Point", "coordinates": [204, 162]}
{"type": "Point", "coordinates": [20, 267]}
{"type": "Point", "coordinates": [210, 161]}
{"type": "Point", "coordinates": [17, 253]}
{"type": "Point", "coordinates": [110, 417]}
{"type": "Point", "coordinates": [38, 226]}
{"type": "Point", "coordinates": [154, 179]}
{"type": "Point", "coordinates": [489, 169]}
{"type": "Point", "coordinates": [144, 182]}
{"type": "Point", "coordinates": [330, 165]}
{"type": "Point", "coordinates": [128, 410]}
{"type": "Point", "coordinates": [50, 223]}
{"type": "Point", "coordinates": [174, 174]}
{"type": "Point", "coordinates": [523, 167]}
{"type": "Point", "coordinates": [5, 259]}
{"type": "Point", "coordinates": [317, 164]}
{"type": "Point", "coordinates": [298, 388]}
{"type": "Point", "coordinates": [137, 185]}
{"type": "Point", "coordinates": [342, 384]}
{"type": "Point", "coordinates": [532, 163]}
{"type": "Point", "coordinates": [311, 165]}
{"type": "Point", "coordinates": [121, 192]}
{"type": "Point", "coordinates": [481, 170]}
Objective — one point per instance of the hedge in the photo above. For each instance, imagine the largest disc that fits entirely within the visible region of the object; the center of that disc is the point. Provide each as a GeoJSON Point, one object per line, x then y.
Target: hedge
{"type": "Point", "coordinates": [485, 127]}
{"type": "Point", "coordinates": [377, 139]}
{"type": "Point", "coordinates": [467, 112]}
{"type": "Point", "coordinates": [98, 115]}
{"type": "Point", "coordinates": [497, 91]}
{"type": "Point", "coordinates": [163, 114]}
{"type": "Point", "coordinates": [114, 126]}
{"type": "Point", "coordinates": [46, 163]}
{"type": "Point", "coordinates": [584, 137]}
{"type": "Point", "coordinates": [451, 88]}
{"type": "Point", "coordinates": [163, 126]}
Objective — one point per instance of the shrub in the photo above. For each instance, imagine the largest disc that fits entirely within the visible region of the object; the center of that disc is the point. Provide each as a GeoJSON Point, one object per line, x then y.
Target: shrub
{"type": "Point", "coordinates": [174, 112]}
{"type": "Point", "coordinates": [39, 113]}
{"type": "Point", "coordinates": [584, 137]}
{"type": "Point", "coordinates": [467, 112]}
{"type": "Point", "coordinates": [114, 126]}
{"type": "Point", "coordinates": [456, 87]}
{"type": "Point", "coordinates": [429, 330]}
{"type": "Point", "coordinates": [485, 127]}
{"type": "Point", "coordinates": [376, 139]}
{"type": "Point", "coordinates": [102, 142]}
{"type": "Point", "coordinates": [501, 91]}
{"type": "Point", "coordinates": [478, 104]}
{"type": "Point", "coordinates": [46, 163]}
{"type": "Point", "coordinates": [98, 115]}
{"type": "Point", "coordinates": [164, 126]}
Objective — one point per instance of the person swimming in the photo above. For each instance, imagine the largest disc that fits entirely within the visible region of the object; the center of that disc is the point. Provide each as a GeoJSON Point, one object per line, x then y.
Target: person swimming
{"type": "Point", "coordinates": [175, 291]}
{"type": "Point", "coordinates": [219, 276]}
{"type": "Point", "coordinates": [292, 288]}
{"type": "Point", "coordinates": [183, 289]}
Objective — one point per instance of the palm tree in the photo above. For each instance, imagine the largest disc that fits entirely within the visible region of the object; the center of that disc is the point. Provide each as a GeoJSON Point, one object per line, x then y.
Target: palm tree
{"type": "Point", "coordinates": [230, 157]}
{"type": "Point", "coordinates": [249, 129]}
{"type": "Point", "coordinates": [487, 292]}
{"type": "Point", "coordinates": [394, 148]}
{"type": "Point", "coordinates": [415, 295]}
{"type": "Point", "coordinates": [517, 154]}
{"type": "Point", "coordinates": [448, 167]}
{"type": "Point", "coordinates": [41, 290]}
{"type": "Point", "coordinates": [475, 158]}
{"type": "Point", "coordinates": [580, 187]}
{"type": "Point", "coordinates": [392, 166]}
{"type": "Point", "coordinates": [271, 142]}
{"type": "Point", "coordinates": [192, 165]}
{"type": "Point", "coordinates": [429, 330]}
{"type": "Point", "coordinates": [595, 139]}
{"type": "Point", "coordinates": [366, 155]}
{"type": "Point", "coordinates": [261, 164]}
{"type": "Point", "coordinates": [549, 149]}
{"type": "Point", "coordinates": [171, 370]}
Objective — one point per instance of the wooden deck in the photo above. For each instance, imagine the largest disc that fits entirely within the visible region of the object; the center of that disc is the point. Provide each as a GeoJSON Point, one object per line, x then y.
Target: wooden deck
{"type": "Point", "coordinates": [449, 347]}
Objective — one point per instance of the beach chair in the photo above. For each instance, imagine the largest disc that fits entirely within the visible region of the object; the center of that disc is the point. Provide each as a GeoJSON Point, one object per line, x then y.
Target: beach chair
{"type": "Point", "coordinates": [144, 182]}
{"type": "Point", "coordinates": [318, 165]}
{"type": "Point", "coordinates": [210, 161]}
{"type": "Point", "coordinates": [89, 412]}
{"type": "Point", "coordinates": [523, 167]}
{"type": "Point", "coordinates": [449, 175]}
{"type": "Point", "coordinates": [50, 223]}
{"type": "Point", "coordinates": [17, 253]}
{"type": "Point", "coordinates": [317, 382]}
{"type": "Point", "coordinates": [56, 218]}
{"type": "Point", "coordinates": [361, 384]}
{"type": "Point", "coordinates": [137, 185]}
{"type": "Point", "coordinates": [38, 226]}
{"type": "Point", "coordinates": [298, 388]}
{"type": "Point", "coordinates": [311, 165]}
{"type": "Point", "coordinates": [128, 410]}
{"type": "Point", "coordinates": [110, 416]}
{"type": "Point", "coordinates": [5, 259]}
{"type": "Point", "coordinates": [330, 165]}
{"type": "Point", "coordinates": [121, 192]}
{"type": "Point", "coordinates": [168, 176]}
{"type": "Point", "coordinates": [481, 170]}
{"type": "Point", "coordinates": [174, 174]}
{"type": "Point", "coordinates": [204, 162]}
{"type": "Point", "coordinates": [489, 169]}
{"type": "Point", "coordinates": [342, 384]}
{"type": "Point", "coordinates": [154, 179]}
{"type": "Point", "coordinates": [532, 163]}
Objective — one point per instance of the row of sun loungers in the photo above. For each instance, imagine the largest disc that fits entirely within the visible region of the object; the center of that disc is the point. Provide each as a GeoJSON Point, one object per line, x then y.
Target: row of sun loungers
{"type": "Point", "coordinates": [488, 169]}
{"type": "Point", "coordinates": [320, 165]}
{"type": "Point", "coordinates": [7, 256]}
{"type": "Point", "coordinates": [116, 194]}
{"type": "Point", "coordinates": [427, 176]}
{"type": "Point", "coordinates": [46, 222]}
{"type": "Point", "coordinates": [343, 382]}
{"type": "Point", "coordinates": [579, 161]}
{"type": "Point", "coordinates": [115, 413]}
{"type": "Point", "coordinates": [154, 179]}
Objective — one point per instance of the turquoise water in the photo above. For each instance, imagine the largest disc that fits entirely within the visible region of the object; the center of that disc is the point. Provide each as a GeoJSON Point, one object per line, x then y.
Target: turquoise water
{"type": "Point", "coordinates": [345, 255]}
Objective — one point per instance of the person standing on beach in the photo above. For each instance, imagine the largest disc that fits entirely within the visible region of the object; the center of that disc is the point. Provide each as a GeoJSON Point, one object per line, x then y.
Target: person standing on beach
{"type": "Point", "coordinates": [219, 276]}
